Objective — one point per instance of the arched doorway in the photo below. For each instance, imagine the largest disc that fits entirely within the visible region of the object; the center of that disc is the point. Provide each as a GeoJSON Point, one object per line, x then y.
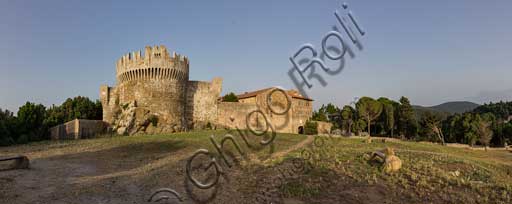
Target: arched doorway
{"type": "Point", "coordinates": [301, 129]}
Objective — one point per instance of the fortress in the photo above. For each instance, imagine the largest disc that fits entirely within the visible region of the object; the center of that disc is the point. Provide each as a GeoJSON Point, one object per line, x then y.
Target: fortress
{"type": "Point", "coordinates": [154, 95]}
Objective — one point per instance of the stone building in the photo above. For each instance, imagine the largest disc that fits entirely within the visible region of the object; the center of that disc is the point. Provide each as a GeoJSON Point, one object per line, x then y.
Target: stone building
{"type": "Point", "coordinates": [153, 94]}
{"type": "Point", "coordinates": [235, 114]}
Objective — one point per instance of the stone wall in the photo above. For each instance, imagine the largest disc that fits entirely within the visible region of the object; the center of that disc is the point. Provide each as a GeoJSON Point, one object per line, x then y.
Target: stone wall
{"type": "Point", "coordinates": [110, 102]}
{"type": "Point", "coordinates": [201, 104]}
{"type": "Point", "coordinates": [163, 98]}
{"type": "Point", "coordinates": [78, 129]}
{"type": "Point", "coordinates": [323, 127]}
{"type": "Point", "coordinates": [302, 110]}
{"type": "Point", "coordinates": [233, 114]}
{"type": "Point", "coordinates": [155, 81]}
{"type": "Point", "coordinates": [154, 87]}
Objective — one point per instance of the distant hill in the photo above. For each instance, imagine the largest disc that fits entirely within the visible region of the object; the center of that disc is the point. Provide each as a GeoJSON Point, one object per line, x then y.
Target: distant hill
{"type": "Point", "coordinates": [447, 108]}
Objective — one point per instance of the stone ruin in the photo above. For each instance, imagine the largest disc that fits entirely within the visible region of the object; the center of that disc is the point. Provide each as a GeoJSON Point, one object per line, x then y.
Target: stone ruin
{"type": "Point", "coordinates": [130, 119]}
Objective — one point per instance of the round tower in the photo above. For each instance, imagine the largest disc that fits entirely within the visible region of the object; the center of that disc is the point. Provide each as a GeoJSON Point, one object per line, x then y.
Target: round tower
{"type": "Point", "coordinates": [156, 81]}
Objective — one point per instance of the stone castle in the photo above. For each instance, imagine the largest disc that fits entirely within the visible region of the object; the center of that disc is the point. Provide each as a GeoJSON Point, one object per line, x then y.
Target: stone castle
{"type": "Point", "coordinates": [154, 95]}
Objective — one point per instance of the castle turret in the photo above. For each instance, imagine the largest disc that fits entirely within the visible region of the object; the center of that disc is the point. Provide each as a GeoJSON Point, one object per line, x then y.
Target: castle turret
{"type": "Point", "coordinates": [155, 81]}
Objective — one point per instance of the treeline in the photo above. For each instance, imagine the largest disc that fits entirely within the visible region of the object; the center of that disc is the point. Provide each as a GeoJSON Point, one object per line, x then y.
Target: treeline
{"type": "Point", "coordinates": [32, 121]}
{"type": "Point", "coordinates": [465, 128]}
{"type": "Point", "coordinates": [486, 125]}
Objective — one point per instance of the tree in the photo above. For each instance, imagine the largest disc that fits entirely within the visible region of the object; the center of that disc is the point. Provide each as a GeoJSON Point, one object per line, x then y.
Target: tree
{"type": "Point", "coordinates": [319, 115]}
{"type": "Point", "coordinates": [81, 108]}
{"type": "Point", "coordinates": [330, 108]}
{"type": "Point", "coordinates": [7, 129]}
{"type": "Point", "coordinates": [406, 119]}
{"type": "Point", "coordinates": [359, 126]}
{"type": "Point", "coordinates": [507, 132]}
{"type": "Point", "coordinates": [483, 130]}
{"type": "Point", "coordinates": [230, 97]}
{"type": "Point", "coordinates": [74, 108]}
{"type": "Point", "coordinates": [469, 126]}
{"type": "Point", "coordinates": [388, 114]}
{"type": "Point", "coordinates": [369, 109]}
{"type": "Point", "coordinates": [310, 128]}
{"type": "Point", "coordinates": [30, 119]}
{"type": "Point", "coordinates": [452, 127]}
{"type": "Point", "coordinates": [432, 122]}
{"type": "Point", "coordinates": [348, 115]}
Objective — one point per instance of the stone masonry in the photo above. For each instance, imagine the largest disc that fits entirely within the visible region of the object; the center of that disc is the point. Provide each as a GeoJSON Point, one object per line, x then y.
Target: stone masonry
{"type": "Point", "coordinates": [153, 94]}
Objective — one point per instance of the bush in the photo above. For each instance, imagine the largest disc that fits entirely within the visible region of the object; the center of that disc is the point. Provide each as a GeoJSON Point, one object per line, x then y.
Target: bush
{"type": "Point", "coordinates": [231, 97]}
{"type": "Point", "coordinates": [311, 128]}
{"type": "Point", "coordinates": [23, 139]}
{"type": "Point", "coordinates": [7, 127]}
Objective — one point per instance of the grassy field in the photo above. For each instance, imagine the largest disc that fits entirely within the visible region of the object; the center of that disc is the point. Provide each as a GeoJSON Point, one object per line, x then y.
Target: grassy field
{"type": "Point", "coordinates": [127, 169]}
{"type": "Point", "coordinates": [431, 173]}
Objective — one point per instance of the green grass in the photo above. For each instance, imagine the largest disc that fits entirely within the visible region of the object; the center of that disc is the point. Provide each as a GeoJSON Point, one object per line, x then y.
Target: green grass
{"type": "Point", "coordinates": [428, 170]}
{"type": "Point", "coordinates": [190, 141]}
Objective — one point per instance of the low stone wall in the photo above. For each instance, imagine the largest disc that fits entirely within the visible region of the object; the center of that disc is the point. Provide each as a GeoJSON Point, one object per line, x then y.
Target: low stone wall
{"type": "Point", "coordinates": [78, 129]}
{"type": "Point", "coordinates": [323, 127]}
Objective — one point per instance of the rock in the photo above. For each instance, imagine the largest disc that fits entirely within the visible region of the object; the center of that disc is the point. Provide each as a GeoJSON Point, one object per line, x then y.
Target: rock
{"type": "Point", "coordinates": [368, 140]}
{"type": "Point", "coordinates": [392, 163]}
{"type": "Point", "coordinates": [455, 173]}
{"type": "Point", "coordinates": [336, 132]}
{"type": "Point", "coordinates": [20, 162]}
{"type": "Point", "coordinates": [121, 131]}
{"type": "Point", "coordinates": [134, 120]}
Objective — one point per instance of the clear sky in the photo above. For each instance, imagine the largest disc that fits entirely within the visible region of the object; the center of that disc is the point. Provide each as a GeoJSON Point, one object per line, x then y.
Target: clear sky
{"type": "Point", "coordinates": [429, 51]}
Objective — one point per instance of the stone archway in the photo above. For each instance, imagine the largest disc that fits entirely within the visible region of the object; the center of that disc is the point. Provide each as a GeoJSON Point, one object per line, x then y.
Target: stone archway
{"type": "Point", "coordinates": [301, 130]}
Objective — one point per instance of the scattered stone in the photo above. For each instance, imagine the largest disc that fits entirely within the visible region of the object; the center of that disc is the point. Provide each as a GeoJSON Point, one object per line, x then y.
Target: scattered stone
{"type": "Point", "coordinates": [455, 173]}
{"type": "Point", "coordinates": [336, 132]}
{"type": "Point", "coordinates": [391, 162]}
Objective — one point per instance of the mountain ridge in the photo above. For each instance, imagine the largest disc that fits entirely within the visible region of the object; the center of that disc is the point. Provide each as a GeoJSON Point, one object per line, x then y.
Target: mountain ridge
{"type": "Point", "coordinates": [450, 107]}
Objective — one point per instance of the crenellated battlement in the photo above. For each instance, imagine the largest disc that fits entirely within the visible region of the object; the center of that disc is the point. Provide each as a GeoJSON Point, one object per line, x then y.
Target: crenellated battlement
{"type": "Point", "coordinates": [155, 63]}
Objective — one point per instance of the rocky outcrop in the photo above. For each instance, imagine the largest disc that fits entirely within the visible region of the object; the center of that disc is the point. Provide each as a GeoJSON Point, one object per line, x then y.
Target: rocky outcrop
{"type": "Point", "coordinates": [130, 120]}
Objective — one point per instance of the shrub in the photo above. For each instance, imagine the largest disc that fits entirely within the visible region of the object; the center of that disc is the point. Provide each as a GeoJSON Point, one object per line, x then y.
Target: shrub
{"type": "Point", "coordinates": [310, 128]}
{"type": "Point", "coordinates": [23, 139]}
{"type": "Point", "coordinates": [230, 97]}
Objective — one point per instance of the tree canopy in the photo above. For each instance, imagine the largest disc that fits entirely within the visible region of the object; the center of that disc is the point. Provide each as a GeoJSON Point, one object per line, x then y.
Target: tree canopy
{"type": "Point", "coordinates": [34, 120]}
{"type": "Point", "coordinates": [230, 97]}
{"type": "Point", "coordinates": [369, 109]}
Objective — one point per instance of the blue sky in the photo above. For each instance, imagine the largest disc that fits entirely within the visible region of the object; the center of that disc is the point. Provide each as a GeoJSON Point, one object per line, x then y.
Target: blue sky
{"type": "Point", "coordinates": [429, 51]}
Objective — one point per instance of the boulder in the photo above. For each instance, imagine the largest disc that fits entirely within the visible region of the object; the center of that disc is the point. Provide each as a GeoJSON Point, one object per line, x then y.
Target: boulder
{"type": "Point", "coordinates": [392, 163]}
{"type": "Point", "coordinates": [336, 132]}
{"type": "Point", "coordinates": [121, 131]}
{"type": "Point", "coordinates": [368, 140]}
